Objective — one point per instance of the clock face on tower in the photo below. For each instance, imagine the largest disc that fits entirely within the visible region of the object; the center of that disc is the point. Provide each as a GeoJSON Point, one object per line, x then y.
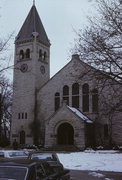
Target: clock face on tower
{"type": "Point", "coordinates": [24, 67]}
{"type": "Point", "coordinates": [42, 69]}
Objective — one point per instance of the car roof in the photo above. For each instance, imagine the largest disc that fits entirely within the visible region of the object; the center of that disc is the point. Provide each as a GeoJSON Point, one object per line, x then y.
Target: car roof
{"type": "Point", "coordinates": [11, 150]}
{"type": "Point", "coordinates": [18, 162]}
{"type": "Point", "coordinates": [40, 152]}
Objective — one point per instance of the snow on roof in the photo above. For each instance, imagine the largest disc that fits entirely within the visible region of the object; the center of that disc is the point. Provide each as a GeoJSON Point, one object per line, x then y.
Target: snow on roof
{"type": "Point", "coordinates": [82, 116]}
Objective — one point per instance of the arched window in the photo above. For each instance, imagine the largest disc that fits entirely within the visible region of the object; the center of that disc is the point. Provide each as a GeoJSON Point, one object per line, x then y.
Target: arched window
{"type": "Point", "coordinates": [85, 98]}
{"type": "Point", "coordinates": [40, 54]}
{"type": "Point", "coordinates": [66, 94]}
{"type": "Point", "coordinates": [95, 100]}
{"type": "Point", "coordinates": [21, 54]}
{"type": "Point", "coordinates": [75, 95]}
{"type": "Point", "coordinates": [105, 130]}
{"type": "Point", "coordinates": [45, 56]}
{"type": "Point", "coordinates": [22, 137]}
{"type": "Point", "coordinates": [57, 101]}
{"type": "Point", "coordinates": [28, 53]}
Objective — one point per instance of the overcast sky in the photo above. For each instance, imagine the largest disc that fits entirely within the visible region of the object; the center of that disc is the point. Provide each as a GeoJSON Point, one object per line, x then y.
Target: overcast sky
{"type": "Point", "coordinates": [58, 17]}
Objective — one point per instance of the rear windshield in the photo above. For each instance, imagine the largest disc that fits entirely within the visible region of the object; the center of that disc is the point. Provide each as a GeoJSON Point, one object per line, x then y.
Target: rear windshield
{"type": "Point", "coordinates": [13, 173]}
{"type": "Point", "coordinates": [42, 156]}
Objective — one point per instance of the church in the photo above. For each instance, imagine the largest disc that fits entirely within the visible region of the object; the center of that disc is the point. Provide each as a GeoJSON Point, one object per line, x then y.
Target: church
{"type": "Point", "coordinates": [73, 108]}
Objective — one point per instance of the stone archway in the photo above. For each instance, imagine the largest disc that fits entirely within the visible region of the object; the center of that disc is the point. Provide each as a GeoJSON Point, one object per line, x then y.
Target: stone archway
{"type": "Point", "coordinates": [65, 134]}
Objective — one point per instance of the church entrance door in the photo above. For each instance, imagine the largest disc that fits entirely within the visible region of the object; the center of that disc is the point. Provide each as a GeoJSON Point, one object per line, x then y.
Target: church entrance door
{"type": "Point", "coordinates": [65, 134]}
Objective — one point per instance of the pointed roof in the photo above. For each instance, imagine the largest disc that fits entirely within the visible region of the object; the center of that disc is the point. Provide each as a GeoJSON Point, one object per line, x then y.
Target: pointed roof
{"type": "Point", "coordinates": [32, 24]}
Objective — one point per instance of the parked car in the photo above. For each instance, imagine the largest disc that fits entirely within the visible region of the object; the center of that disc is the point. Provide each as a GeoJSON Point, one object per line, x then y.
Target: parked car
{"type": "Point", "coordinates": [26, 169]}
{"type": "Point", "coordinates": [51, 158]}
{"type": "Point", "coordinates": [13, 154]}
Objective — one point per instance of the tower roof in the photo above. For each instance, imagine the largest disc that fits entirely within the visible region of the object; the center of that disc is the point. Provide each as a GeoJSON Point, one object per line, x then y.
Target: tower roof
{"type": "Point", "coordinates": [32, 24]}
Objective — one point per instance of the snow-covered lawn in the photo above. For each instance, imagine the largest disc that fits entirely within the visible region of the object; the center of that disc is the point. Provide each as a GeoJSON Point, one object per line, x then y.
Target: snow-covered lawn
{"type": "Point", "coordinates": [92, 160]}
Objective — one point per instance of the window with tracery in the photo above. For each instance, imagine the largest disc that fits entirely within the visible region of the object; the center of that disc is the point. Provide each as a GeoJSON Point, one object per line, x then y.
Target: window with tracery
{"type": "Point", "coordinates": [66, 94]}
{"type": "Point", "coordinates": [85, 98]}
{"type": "Point", "coordinates": [57, 101]}
{"type": "Point", "coordinates": [105, 130]}
{"type": "Point", "coordinates": [75, 95]}
{"type": "Point", "coordinates": [95, 100]}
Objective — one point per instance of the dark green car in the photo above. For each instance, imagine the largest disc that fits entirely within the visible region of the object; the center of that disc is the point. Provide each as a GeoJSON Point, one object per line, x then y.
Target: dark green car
{"type": "Point", "coordinates": [24, 169]}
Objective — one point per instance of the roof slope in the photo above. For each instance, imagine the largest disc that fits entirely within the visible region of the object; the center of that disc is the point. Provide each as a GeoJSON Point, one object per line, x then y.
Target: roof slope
{"type": "Point", "coordinates": [80, 114]}
{"type": "Point", "coordinates": [32, 24]}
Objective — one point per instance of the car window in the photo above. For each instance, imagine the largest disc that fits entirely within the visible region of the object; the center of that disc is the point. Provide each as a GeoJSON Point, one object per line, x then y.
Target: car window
{"type": "Point", "coordinates": [19, 153]}
{"type": "Point", "coordinates": [32, 174]}
{"type": "Point", "coordinates": [47, 168]}
{"type": "Point", "coordinates": [42, 156]}
{"type": "Point", "coordinates": [14, 173]}
{"type": "Point", "coordinates": [1, 154]}
{"type": "Point", "coordinates": [40, 172]}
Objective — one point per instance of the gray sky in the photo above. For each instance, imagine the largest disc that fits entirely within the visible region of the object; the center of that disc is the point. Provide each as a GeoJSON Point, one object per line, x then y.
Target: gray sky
{"type": "Point", "coordinates": [58, 17]}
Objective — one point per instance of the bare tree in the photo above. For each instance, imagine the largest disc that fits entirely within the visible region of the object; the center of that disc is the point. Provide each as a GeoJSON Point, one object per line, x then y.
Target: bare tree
{"type": "Point", "coordinates": [100, 44]}
{"type": "Point", "coordinates": [5, 88]}
{"type": "Point", "coordinates": [5, 59]}
{"type": "Point", "coordinates": [5, 109]}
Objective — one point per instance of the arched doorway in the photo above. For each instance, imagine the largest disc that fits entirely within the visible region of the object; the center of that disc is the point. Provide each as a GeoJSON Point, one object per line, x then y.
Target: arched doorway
{"type": "Point", "coordinates": [65, 134]}
{"type": "Point", "coordinates": [22, 137]}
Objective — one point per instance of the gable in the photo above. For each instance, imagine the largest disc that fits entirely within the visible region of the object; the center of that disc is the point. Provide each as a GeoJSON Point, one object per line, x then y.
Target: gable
{"type": "Point", "coordinates": [65, 113]}
{"type": "Point", "coordinates": [71, 72]}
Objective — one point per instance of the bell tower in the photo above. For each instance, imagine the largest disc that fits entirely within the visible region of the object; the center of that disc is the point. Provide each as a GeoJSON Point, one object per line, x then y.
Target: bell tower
{"type": "Point", "coordinates": [31, 72]}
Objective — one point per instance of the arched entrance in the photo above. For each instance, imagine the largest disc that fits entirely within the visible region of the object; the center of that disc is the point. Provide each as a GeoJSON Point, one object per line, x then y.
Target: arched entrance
{"type": "Point", "coordinates": [22, 137]}
{"type": "Point", "coordinates": [65, 134]}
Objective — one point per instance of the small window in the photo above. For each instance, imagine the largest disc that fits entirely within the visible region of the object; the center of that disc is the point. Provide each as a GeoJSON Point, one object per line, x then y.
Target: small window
{"type": "Point", "coordinates": [28, 53]}
{"type": "Point", "coordinates": [75, 95]}
{"type": "Point", "coordinates": [105, 130]}
{"type": "Point", "coordinates": [19, 116]}
{"type": "Point", "coordinates": [85, 98]}
{"type": "Point", "coordinates": [26, 115]}
{"type": "Point", "coordinates": [57, 101]}
{"type": "Point", "coordinates": [21, 54]}
{"type": "Point", "coordinates": [22, 115]}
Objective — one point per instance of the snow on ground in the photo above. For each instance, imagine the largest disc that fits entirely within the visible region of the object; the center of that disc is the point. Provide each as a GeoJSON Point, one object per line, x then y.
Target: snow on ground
{"type": "Point", "coordinates": [92, 160]}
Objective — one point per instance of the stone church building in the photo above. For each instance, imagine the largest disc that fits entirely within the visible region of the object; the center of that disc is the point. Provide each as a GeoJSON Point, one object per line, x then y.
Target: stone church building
{"type": "Point", "coordinates": [78, 106]}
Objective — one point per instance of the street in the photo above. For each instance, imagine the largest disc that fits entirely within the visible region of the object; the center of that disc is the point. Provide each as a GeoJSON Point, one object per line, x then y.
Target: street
{"type": "Point", "coordinates": [95, 175]}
